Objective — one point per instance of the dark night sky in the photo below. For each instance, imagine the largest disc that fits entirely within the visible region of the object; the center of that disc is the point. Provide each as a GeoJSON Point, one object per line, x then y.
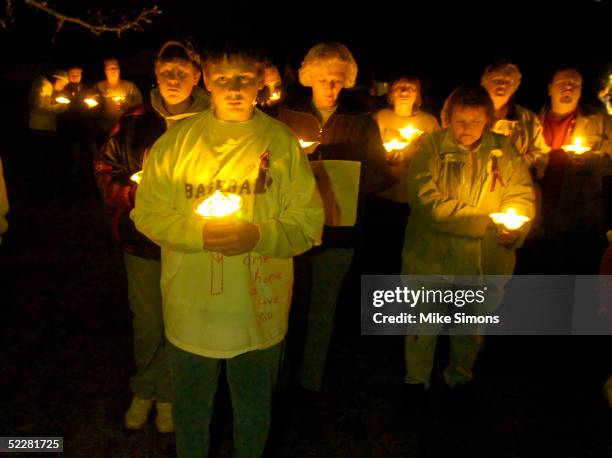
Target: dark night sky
{"type": "Point", "coordinates": [444, 43]}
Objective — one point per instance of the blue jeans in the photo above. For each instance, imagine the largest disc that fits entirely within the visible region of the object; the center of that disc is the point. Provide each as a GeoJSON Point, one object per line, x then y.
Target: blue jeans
{"type": "Point", "coordinates": [251, 378]}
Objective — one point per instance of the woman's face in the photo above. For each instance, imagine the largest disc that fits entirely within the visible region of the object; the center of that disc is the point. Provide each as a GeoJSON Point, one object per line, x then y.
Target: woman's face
{"type": "Point", "coordinates": [500, 86]}
{"type": "Point", "coordinates": [403, 93]}
{"type": "Point", "coordinates": [468, 124]}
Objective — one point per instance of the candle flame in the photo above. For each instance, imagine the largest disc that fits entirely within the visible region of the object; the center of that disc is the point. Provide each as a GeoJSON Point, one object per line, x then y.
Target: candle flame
{"type": "Point", "coordinates": [305, 144]}
{"type": "Point", "coordinates": [510, 219]}
{"type": "Point", "coordinates": [219, 204]}
{"type": "Point", "coordinates": [137, 177]}
{"type": "Point", "coordinates": [395, 145]}
{"type": "Point", "coordinates": [410, 133]}
{"type": "Point", "coordinates": [63, 100]}
{"type": "Point", "coordinates": [91, 102]}
{"type": "Point", "coordinates": [118, 98]}
{"type": "Point", "coordinates": [577, 147]}
{"type": "Point", "coordinates": [276, 95]}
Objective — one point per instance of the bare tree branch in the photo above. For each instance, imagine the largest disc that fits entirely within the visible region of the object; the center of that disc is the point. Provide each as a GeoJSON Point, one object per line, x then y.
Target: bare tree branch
{"type": "Point", "coordinates": [128, 24]}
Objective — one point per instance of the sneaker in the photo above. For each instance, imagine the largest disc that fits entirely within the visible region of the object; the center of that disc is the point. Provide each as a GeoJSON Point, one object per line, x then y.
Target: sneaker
{"type": "Point", "coordinates": [163, 420]}
{"type": "Point", "coordinates": [136, 416]}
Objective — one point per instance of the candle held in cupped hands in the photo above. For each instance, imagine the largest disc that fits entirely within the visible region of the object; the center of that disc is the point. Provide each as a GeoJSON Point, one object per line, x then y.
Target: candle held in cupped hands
{"type": "Point", "coordinates": [220, 204]}
{"type": "Point", "coordinates": [224, 232]}
{"type": "Point", "coordinates": [136, 177]}
{"type": "Point", "coordinates": [308, 146]}
{"type": "Point", "coordinates": [509, 219]}
{"type": "Point", "coordinates": [410, 133]}
{"type": "Point", "coordinates": [91, 102]}
{"type": "Point", "coordinates": [63, 100]}
{"type": "Point", "coordinates": [576, 147]}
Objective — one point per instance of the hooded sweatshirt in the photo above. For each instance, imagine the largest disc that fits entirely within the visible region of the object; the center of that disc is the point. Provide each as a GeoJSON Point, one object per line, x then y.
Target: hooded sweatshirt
{"type": "Point", "coordinates": [123, 155]}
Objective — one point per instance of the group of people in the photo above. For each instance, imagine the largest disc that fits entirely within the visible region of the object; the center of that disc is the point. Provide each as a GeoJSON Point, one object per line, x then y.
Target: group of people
{"type": "Point", "coordinates": [318, 178]}
{"type": "Point", "coordinates": [69, 121]}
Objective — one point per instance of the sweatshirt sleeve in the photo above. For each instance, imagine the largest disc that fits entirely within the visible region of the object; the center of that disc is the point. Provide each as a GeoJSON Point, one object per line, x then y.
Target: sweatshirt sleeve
{"type": "Point", "coordinates": [299, 223]}
{"type": "Point", "coordinates": [444, 213]}
{"type": "Point", "coordinates": [155, 214]}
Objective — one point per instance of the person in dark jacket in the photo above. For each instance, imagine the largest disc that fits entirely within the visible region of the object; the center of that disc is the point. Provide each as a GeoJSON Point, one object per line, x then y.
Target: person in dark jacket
{"type": "Point", "coordinates": [117, 168]}
{"type": "Point", "coordinates": [346, 152]}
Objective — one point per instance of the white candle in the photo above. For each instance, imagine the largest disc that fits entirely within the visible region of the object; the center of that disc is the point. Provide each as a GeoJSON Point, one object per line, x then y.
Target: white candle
{"type": "Point", "coordinates": [137, 177]}
{"type": "Point", "coordinates": [577, 147]}
{"type": "Point", "coordinates": [510, 219]}
{"type": "Point", "coordinates": [395, 145]}
{"type": "Point", "coordinates": [219, 204]}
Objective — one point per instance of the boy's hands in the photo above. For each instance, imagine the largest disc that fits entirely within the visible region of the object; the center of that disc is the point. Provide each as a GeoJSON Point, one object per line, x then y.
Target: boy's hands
{"type": "Point", "coordinates": [230, 236]}
{"type": "Point", "coordinates": [508, 238]}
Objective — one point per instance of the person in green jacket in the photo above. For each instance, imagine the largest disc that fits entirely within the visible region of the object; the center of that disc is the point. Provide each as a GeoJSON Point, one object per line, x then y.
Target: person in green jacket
{"type": "Point", "coordinates": [457, 177]}
{"type": "Point", "coordinates": [226, 281]}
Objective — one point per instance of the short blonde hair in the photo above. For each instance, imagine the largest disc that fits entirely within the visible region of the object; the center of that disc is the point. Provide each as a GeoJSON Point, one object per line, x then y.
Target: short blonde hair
{"type": "Point", "coordinates": [327, 53]}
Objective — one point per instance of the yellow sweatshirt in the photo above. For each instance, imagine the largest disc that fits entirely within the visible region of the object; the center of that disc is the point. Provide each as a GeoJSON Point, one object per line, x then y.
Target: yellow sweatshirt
{"type": "Point", "coordinates": [218, 306]}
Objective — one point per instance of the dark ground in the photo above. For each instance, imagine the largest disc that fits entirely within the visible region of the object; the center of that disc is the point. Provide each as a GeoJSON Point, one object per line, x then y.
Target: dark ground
{"type": "Point", "coordinates": [66, 358]}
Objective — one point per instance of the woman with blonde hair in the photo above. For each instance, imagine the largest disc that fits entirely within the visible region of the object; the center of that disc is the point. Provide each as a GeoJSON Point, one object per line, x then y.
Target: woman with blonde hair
{"type": "Point", "coordinates": [387, 212]}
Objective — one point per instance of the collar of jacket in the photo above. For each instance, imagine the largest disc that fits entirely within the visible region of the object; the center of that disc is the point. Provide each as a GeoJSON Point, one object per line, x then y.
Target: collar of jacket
{"type": "Point", "coordinates": [201, 102]}
{"type": "Point", "coordinates": [582, 110]}
{"type": "Point", "coordinates": [347, 105]}
{"type": "Point", "coordinates": [458, 152]}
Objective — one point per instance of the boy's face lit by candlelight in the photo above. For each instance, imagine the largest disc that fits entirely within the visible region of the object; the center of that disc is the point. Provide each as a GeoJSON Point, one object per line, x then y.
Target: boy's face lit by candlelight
{"type": "Point", "coordinates": [233, 85]}
{"type": "Point", "coordinates": [176, 80]}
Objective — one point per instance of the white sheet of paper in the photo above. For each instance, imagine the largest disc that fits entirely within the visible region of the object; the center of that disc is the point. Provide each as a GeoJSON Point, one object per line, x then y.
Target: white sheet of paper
{"type": "Point", "coordinates": [338, 183]}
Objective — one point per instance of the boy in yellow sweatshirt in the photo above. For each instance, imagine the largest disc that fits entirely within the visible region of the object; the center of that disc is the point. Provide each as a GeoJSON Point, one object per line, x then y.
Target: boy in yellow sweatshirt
{"type": "Point", "coordinates": [227, 282]}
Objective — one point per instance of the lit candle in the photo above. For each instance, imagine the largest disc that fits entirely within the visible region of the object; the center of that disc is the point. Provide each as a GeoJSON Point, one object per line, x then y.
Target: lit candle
{"type": "Point", "coordinates": [510, 219]}
{"type": "Point", "coordinates": [410, 133]}
{"type": "Point", "coordinates": [91, 102]}
{"type": "Point", "coordinates": [137, 177]}
{"type": "Point", "coordinates": [577, 147]}
{"type": "Point", "coordinates": [305, 144]}
{"type": "Point", "coordinates": [118, 98]}
{"type": "Point", "coordinates": [395, 145]}
{"type": "Point", "coordinates": [219, 204]}
{"type": "Point", "coordinates": [63, 100]}
{"type": "Point", "coordinates": [276, 95]}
